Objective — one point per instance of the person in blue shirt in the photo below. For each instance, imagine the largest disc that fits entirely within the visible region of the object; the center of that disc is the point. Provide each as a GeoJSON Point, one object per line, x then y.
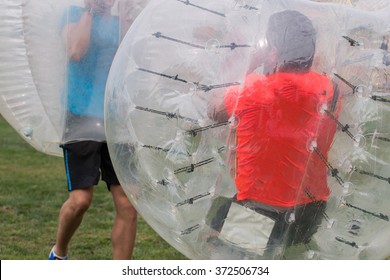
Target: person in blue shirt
{"type": "Point", "coordinates": [91, 36]}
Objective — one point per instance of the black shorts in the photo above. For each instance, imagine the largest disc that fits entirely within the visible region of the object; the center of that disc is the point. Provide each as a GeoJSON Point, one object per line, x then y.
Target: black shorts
{"type": "Point", "coordinates": [84, 161]}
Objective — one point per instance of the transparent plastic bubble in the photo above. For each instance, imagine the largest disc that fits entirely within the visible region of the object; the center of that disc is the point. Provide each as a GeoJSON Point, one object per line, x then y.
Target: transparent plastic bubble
{"type": "Point", "coordinates": [285, 122]}
{"type": "Point", "coordinates": [34, 81]}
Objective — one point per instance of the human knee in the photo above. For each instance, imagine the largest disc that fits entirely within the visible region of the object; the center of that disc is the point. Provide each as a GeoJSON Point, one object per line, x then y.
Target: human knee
{"type": "Point", "coordinates": [82, 205]}
{"type": "Point", "coordinates": [129, 211]}
{"type": "Point", "coordinates": [122, 203]}
{"type": "Point", "coordinates": [80, 201]}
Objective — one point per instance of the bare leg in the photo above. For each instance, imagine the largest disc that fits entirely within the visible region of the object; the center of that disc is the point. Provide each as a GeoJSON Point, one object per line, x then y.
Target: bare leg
{"type": "Point", "coordinates": [125, 225]}
{"type": "Point", "coordinates": [70, 217]}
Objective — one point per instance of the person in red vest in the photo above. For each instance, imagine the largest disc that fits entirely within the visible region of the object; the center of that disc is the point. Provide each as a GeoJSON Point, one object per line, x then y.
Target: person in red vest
{"type": "Point", "coordinates": [284, 133]}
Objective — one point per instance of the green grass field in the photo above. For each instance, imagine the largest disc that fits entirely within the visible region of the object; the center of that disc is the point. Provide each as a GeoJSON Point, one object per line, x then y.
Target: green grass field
{"type": "Point", "coordinates": [32, 190]}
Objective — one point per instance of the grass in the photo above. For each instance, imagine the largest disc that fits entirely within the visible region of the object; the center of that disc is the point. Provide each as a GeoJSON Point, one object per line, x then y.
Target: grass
{"type": "Point", "coordinates": [32, 190]}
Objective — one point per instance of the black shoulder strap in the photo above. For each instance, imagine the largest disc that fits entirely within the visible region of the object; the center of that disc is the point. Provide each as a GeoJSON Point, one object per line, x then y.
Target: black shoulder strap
{"type": "Point", "coordinates": [336, 93]}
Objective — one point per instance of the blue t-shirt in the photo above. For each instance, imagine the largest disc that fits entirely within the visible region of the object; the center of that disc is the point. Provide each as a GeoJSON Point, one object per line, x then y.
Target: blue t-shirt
{"type": "Point", "coordinates": [87, 78]}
